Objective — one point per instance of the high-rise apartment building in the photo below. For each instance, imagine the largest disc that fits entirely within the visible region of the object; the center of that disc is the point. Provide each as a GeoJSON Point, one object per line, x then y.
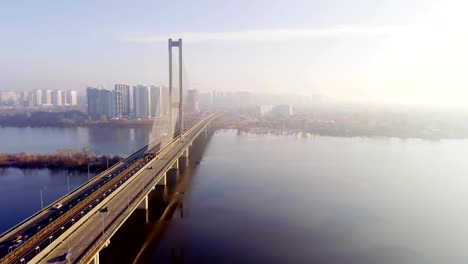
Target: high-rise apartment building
{"type": "Point", "coordinates": [71, 97]}
{"type": "Point", "coordinates": [36, 97]}
{"type": "Point", "coordinates": [192, 104]}
{"type": "Point", "coordinates": [9, 97]}
{"type": "Point", "coordinates": [164, 100]}
{"type": "Point", "coordinates": [101, 103]}
{"type": "Point", "coordinates": [46, 97]}
{"type": "Point", "coordinates": [57, 99]}
{"type": "Point", "coordinates": [123, 99]}
{"type": "Point", "coordinates": [23, 98]}
{"type": "Point", "coordinates": [155, 100]}
{"type": "Point", "coordinates": [63, 94]}
{"type": "Point", "coordinates": [141, 101]}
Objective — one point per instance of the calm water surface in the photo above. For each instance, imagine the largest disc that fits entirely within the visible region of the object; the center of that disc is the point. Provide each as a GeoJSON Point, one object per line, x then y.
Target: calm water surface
{"type": "Point", "coordinates": [103, 140]}
{"type": "Point", "coordinates": [283, 199]}
{"type": "Point", "coordinates": [20, 189]}
{"type": "Point", "coordinates": [288, 199]}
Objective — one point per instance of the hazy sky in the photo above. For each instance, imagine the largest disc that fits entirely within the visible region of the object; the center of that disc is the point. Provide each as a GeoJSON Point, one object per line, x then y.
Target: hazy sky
{"type": "Point", "coordinates": [389, 51]}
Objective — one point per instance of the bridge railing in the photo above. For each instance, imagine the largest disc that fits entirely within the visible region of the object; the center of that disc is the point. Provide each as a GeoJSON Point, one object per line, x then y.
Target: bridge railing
{"type": "Point", "coordinates": [65, 221]}
{"type": "Point", "coordinates": [66, 196]}
{"type": "Point", "coordinates": [135, 201]}
{"type": "Point", "coordinates": [40, 237]}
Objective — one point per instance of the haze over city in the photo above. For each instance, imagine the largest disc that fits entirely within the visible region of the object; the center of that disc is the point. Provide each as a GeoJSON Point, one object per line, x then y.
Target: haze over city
{"type": "Point", "coordinates": [237, 131]}
{"type": "Point", "coordinates": [379, 52]}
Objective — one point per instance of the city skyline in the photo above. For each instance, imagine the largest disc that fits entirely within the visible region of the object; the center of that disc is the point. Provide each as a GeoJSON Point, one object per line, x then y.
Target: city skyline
{"type": "Point", "coordinates": [396, 52]}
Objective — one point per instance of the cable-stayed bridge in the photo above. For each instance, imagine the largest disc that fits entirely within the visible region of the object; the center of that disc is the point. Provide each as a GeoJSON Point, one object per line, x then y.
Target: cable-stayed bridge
{"type": "Point", "coordinates": [88, 217]}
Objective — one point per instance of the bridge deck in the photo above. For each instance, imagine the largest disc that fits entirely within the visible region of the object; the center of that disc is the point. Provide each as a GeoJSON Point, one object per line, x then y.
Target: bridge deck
{"type": "Point", "coordinates": [88, 238]}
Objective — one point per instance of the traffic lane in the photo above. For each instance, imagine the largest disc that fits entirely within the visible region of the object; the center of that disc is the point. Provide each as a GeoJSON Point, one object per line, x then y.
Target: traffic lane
{"type": "Point", "coordinates": [49, 216]}
{"type": "Point", "coordinates": [48, 213]}
{"type": "Point", "coordinates": [54, 215]}
{"type": "Point", "coordinates": [84, 236]}
{"type": "Point", "coordinates": [80, 241]}
{"type": "Point", "coordinates": [132, 161]}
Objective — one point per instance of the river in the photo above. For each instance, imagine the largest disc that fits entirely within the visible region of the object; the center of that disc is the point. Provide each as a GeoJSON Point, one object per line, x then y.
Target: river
{"type": "Point", "coordinates": [292, 199]}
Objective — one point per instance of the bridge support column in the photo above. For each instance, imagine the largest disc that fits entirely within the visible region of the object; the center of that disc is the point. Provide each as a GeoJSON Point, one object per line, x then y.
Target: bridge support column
{"type": "Point", "coordinates": [144, 203]}
{"type": "Point", "coordinates": [163, 180]}
{"type": "Point", "coordinates": [175, 165]}
{"type": "Point", "coordinates": [183, 162]}
{"type": "Point", "coordinates": [95, 259]}
{"type": "Point", "coordinates": [185, 153]}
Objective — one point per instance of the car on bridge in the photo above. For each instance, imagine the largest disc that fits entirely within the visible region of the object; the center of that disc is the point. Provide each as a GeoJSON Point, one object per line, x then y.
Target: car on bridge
{"type": "Point", "coordinates": [17, 243]}
{"type": "Point", "coordinates": [65, 256]}
{"type": "Point", "coordinates": [16, 239]}
{"type": "Point", "coordinates": [57, 206]}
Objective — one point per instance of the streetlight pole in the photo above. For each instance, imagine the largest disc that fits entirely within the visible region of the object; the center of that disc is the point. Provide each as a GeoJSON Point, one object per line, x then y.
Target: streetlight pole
{"type": "Point", "coordinates": [68, 182]}
{"type": "Point", "coordinates": [88, 170]}
{"type": "Point", "coordinates": [42, 198]}
{"type": "Point", "coordinates": [68, 249]}
{"type": "Point", "coordinates": [102, 225]}
{"type": "Point", "coordinates": [42, 201]}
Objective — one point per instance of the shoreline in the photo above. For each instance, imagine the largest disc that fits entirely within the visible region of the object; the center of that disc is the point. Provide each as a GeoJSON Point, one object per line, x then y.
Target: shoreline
{"type": "Point", "coordinates": [60, 161]}
{"type": "Point", "coordinates": [254, 130]}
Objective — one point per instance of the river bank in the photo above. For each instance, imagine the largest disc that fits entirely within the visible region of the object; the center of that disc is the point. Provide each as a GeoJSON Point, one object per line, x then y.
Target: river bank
{"type": "Point", "coordinates": [60, 161]}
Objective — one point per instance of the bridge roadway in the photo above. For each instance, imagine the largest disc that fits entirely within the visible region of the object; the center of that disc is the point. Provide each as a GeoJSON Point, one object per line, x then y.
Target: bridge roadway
{"type": "Point", "coordinates": [34, 226]}
{"type": "Point", "coordinates": [35, 223]}
{"type": "Point", "coordinates": [96, 230]}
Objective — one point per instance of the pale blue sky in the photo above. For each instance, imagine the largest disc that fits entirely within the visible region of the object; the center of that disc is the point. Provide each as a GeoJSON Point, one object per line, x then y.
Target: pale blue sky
{"type": "Point", "coordinates": [394, 51]}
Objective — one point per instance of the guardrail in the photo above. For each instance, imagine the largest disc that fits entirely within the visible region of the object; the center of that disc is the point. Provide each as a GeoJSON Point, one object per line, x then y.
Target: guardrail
{"type": "Point", "coordinates": [62, 220]}
{"type": "Point", "coordinates": [67, 196]}
{"type": "Point", "coordinates": [79, 209]}
{"type": "Point", "coordinates": [110, 230]}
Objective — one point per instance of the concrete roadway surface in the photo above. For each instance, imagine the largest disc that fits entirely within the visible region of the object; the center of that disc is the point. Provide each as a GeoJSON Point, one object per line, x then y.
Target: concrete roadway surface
{"type": "Point", "coordinates": [48, 215]}
{"type": "Point", "coordinates": [92, 229]}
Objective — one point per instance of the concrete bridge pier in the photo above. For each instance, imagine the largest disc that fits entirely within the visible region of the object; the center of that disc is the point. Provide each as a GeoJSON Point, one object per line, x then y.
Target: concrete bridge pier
{"type": "Point", "coordinates": [163, 180]}
{"type": "Point", "coordinates": [184, 163]}
{"type": "Point", "coordinates": [95, 259]}
{"type": "Point", "coordinates": [175, 165]}
{"type": "Point", "coordinates": [185, 153]}
{"type": "Point", "coordinates": [144, 203]}
{"type": "Point", "coordinates": [184, 160]}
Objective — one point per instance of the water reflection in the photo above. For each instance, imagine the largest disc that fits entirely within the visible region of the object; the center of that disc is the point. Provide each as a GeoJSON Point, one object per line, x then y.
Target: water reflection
{"type": "Point", "coordinates": [277, 199]}
{"type": "Point", "coordinates": [102, 140]}
{"type": "Point", "coordinates": [23, 186]}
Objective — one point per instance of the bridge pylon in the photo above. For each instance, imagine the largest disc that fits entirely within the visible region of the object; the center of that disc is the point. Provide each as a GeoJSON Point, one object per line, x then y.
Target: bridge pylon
{"type": "Point", "coordinates": [176, 44]}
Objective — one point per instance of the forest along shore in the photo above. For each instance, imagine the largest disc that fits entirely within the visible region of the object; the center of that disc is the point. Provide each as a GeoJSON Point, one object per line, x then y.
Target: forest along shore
{"type": "Point", "coordinates": [60, 160]}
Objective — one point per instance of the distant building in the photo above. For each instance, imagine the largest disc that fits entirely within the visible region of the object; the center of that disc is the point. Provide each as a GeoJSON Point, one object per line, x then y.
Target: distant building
{"type": "Point", "coordinates": [141, 101]}
{"type": "Point", "coordinates": [164, 100]}
{"type": "Point", "coordinates": [276, 110]}
{"type": "Point", "coordinates": [192, 104]}
{"type": "Point", "coordinates": [118, 103]}
{"type": "Point", "coordinates": [71, 97]}
{"type": "Point", "coordinates": [206, 100]}
{"type": "Point", "coordinates": [56, 98]}
{"type": "Point", "coordinates": [123, 99]}
{"type": "Point", "coordinates": [47, 97]}
{"type": "Point", "coordinates": [36, 97]}
{"type": "Point", "coordinates": [9, 97]}
{"type": "Point", "coordinates": [23, 98]}
{"type": "Point", "coordinates": [101, 103]}
{"type": "Point", "coordinates": [282, 110]}
{"type": "Point", "coordinates": [264, 109]}
{"type": "Point", "coordinates": [155, 100]}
